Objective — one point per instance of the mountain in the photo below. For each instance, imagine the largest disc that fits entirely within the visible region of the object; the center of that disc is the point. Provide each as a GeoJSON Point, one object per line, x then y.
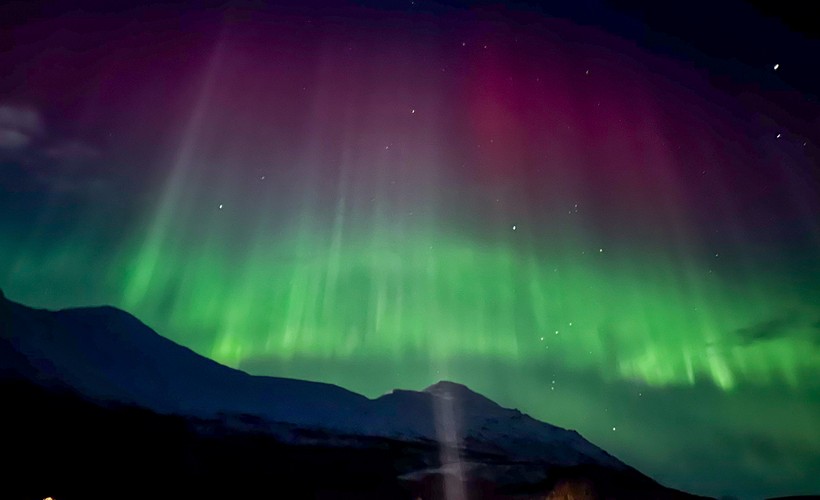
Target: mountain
{"type": "Point", "coordinates": [99, 379]}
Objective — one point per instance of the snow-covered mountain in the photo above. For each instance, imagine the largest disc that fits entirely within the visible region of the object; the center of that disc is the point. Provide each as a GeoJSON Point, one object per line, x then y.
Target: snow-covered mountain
{"type": "Point", "coordinates": [452, 413]}
{"type": "Point", "coordinates": [108, 356]}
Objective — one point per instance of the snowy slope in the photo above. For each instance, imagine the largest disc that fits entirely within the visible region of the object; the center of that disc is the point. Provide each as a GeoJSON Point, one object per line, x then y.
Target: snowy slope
{"type": "Point", "coordinates": [452, 413]}
{"type": "Point", "coordinates": [107, 354]}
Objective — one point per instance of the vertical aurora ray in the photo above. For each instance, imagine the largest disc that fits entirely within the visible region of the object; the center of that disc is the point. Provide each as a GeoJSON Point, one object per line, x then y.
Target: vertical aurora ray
{"type": "Point", "coordinates": [392, 224]}
{"type": "Point", "coordinates": [160, 230]}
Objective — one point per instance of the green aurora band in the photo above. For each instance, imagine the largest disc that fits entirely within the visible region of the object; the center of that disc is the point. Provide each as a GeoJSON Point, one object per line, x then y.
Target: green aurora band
{"type": "Point", "coordinates": [439, 296]}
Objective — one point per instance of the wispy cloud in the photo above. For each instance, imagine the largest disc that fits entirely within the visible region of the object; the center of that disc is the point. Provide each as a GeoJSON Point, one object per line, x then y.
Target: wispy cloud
{"type": "Point", "coordinates": [19, 126]}
{"type": "Point", "coordinates": [57, 163]}
{"type": "Point", "coordinates": [767, 330]}
{"type": "Point", "coordinates": [789, 324]}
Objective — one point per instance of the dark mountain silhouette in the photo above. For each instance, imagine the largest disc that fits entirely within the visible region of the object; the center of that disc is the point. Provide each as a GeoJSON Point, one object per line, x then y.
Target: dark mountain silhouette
{"type": "Point", "coordinates": [95, 398]}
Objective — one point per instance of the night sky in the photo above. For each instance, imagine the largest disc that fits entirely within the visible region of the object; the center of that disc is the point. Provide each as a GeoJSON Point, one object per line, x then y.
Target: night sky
{"type": "Point", "coordinates": [606, 216]}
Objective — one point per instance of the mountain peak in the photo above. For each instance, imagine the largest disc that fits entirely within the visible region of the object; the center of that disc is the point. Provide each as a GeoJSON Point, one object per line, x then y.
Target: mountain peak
{"type": "Point", "coordinates": [452, 389]}
{"type": "Point", "coordinates": [461, 393]}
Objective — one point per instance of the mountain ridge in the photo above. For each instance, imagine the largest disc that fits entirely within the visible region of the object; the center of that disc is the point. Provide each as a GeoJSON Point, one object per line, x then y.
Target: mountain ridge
{"type": "Point", "coordinates": [108, 355]}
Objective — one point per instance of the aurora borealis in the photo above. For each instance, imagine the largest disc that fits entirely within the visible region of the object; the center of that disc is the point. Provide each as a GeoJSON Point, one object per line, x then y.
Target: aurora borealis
{"type": "Point", "coordinates": [611, 238]}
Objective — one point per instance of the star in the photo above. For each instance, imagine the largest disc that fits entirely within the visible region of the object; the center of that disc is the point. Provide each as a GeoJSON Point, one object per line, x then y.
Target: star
{"type": "Point", "coordinates": [778, 136]}
{"type": "Point", "coordinates": [776, 66]}
{"type": "Point", "coordinates": [220, 206]}
{"type": "Point", "coordinates": [514, 227]}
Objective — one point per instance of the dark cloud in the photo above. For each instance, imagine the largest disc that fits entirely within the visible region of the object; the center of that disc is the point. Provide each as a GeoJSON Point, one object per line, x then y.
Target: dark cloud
{"type": "Point", "coordinates": [795, 324]}
{"type": "Point", "coordinates": [19, 126]}
{"type": "Point", "coordinates": [13, 139]}
{"type": "Point", "coordinates": [55, 164]}
{"type": "Point", "coordinates": [767, 330]}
